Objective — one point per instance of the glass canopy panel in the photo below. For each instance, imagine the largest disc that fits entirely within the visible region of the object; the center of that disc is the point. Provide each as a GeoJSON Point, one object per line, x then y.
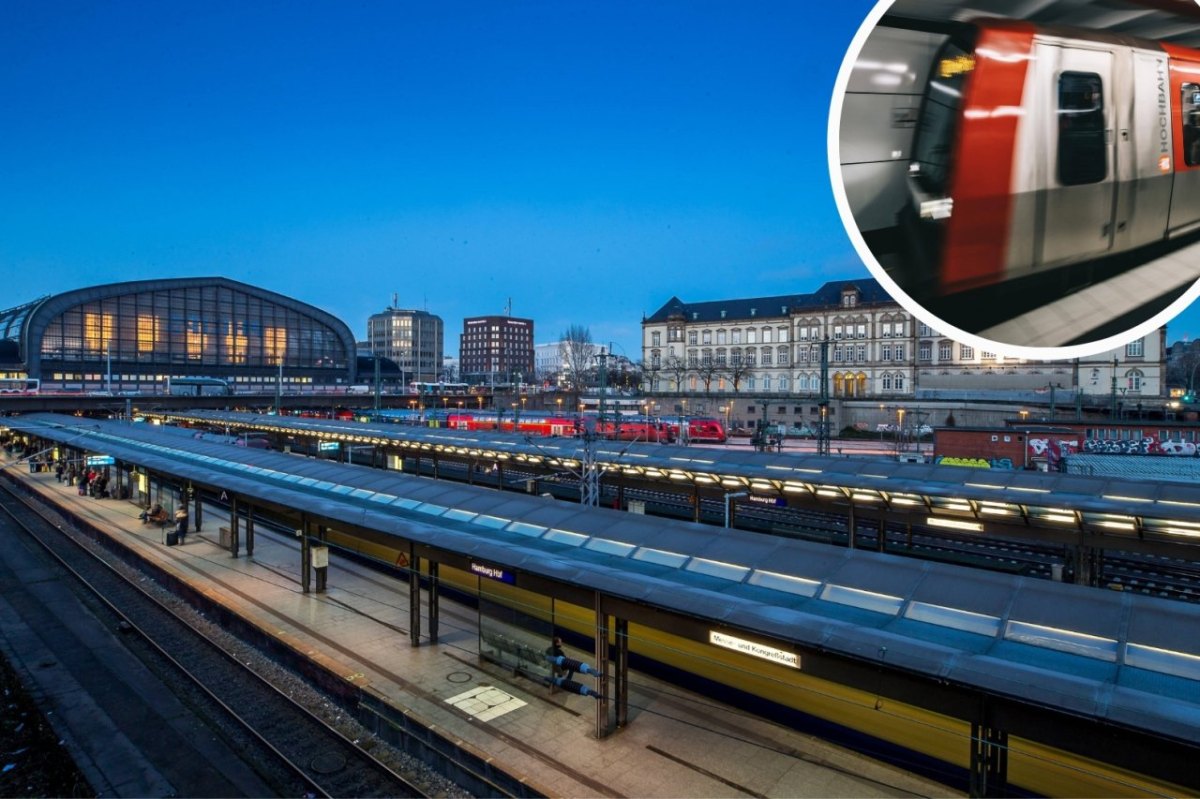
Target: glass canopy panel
{"type": "Point", "coordinates": [610, 547]}
{"type": "Point", "coordinates": [1062, 640]}
{"type": "Point", "coordinates": [565, 537]}
{"type": "Point", "coordinates": [660, 557]}
{"type": "Point", "coordinates": [858, 598]}
{"type": "Point", "coordinates": [715, 568]}
{"type": "Point", "coordinates": [524, 528]}
{"type": "Point", "coordinates": [784, 582]}
{"type": "Point", "coordinates": [953, 618]}
{"type": "Point", "coordinates": [1165, 661]}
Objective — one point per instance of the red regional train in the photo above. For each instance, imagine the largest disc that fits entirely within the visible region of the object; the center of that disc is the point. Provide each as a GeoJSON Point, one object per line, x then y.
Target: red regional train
{"type": "Point", "coordinates": [700, 429]}
{"type": "Point", "coordinates": [551, 425]}
{"type": "Point", "coordinates": [1041, 146]}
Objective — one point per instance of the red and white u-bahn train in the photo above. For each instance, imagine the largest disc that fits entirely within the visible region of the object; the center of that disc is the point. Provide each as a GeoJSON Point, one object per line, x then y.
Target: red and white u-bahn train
{"type": "Point", "coordinates": [1039, 146]}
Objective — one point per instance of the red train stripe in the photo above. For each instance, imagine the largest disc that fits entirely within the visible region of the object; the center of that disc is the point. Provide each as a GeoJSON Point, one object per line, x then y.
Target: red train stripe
{"type": "Point", "coordinates": [981, 185]}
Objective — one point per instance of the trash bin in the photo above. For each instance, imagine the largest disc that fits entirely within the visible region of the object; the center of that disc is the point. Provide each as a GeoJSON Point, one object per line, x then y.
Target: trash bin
{"type": "Point", "coordinates": [172, 538]}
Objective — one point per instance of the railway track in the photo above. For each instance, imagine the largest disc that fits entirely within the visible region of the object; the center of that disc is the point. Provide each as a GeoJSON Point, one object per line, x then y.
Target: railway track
{"type": "Point", "coordinates": [303, 753]}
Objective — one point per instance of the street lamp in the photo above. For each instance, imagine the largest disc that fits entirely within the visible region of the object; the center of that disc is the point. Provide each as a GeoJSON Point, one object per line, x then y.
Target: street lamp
{"type": "Point", "coordinates": [558, 401]}
{"type": "Point", "coordinates": [900, 431]}
{"type": "Point", "coordinates": [730, 496]}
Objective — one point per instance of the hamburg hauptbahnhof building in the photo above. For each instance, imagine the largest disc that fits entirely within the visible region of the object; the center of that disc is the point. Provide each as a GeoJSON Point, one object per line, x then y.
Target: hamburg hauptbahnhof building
{"type": "Point", "coordinates": [137, 336]}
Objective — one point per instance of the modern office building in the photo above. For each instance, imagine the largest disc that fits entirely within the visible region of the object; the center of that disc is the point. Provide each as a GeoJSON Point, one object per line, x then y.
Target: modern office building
{"type": "Point", "coordinates": [496, 350]}
{"type": "Point", "coordinates": [137, 336]}
{"type": "Point", "coordinates": [413, 339]}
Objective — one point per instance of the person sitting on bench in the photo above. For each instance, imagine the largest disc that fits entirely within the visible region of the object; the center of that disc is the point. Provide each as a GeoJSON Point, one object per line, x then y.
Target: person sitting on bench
{"type": "Point", "coordinates": [156, 515]}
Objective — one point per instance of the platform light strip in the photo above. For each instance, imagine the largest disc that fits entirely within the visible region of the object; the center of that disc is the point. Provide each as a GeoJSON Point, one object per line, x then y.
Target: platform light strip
{"type": "Point", "coordinates": [954, 524]}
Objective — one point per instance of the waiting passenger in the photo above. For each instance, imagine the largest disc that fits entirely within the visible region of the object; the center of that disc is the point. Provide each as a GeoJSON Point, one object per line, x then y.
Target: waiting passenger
{"type": "Point", "coordinates": [181, 521]}
{"type": "Point", "coordinates": [571, 686]}
{"type": "Point", "coordinates": [558, 658]}
{"type": "Point", "coordinates": [155, 515]}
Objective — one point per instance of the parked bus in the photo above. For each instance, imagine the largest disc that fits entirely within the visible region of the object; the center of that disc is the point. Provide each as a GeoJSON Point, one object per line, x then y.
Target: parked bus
{"type": "Point", "coordinates": [20, 385]}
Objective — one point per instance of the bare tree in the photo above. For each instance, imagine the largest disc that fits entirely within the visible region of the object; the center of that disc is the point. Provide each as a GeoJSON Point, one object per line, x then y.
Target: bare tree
{"type": "Point", "coordinates": [578, 354]}
{"type": "Point", "coordinates": [708, 371]}
{"type": "Point", "coordinates": [676, 368]}
{"type": "Point", "coordinates": [649, 374]}
{"type": "Point", "coordinates": [738, 370]}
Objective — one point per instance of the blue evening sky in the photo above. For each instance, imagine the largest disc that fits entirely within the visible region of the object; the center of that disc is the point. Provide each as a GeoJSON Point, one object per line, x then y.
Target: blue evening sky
{"type": "Point", "coordinates": [586, 159]}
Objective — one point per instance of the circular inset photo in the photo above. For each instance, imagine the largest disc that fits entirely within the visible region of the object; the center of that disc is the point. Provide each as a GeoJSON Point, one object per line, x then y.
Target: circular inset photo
{"type": "Point", "coordinates": [1027, 183]}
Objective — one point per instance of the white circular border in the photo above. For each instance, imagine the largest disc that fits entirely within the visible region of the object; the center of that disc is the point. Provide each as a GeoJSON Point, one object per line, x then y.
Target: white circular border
{"type": "Point", "coordinates": [898, 294]}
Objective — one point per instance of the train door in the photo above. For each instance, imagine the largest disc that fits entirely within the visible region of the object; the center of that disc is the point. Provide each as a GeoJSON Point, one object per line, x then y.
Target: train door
{"type": "Point", "coordinates": [1079, 202]}
{"type": "Point", "coordinates": [1144, 151]}
{"type": "Point", "coordinates": [1184, 94]}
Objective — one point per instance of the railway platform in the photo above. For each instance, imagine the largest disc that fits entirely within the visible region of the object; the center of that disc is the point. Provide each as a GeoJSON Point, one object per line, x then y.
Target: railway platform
{"type": "Point", "coordinates": [677, 744]}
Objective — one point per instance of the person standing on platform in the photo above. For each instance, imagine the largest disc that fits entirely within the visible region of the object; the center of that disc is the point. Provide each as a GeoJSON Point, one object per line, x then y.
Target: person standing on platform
{"type": "Point", "coordinates": [181, 522]}
{"type": "Point", "coordinates": [58, 471]}
{"type": "Point", "coordinates": [555, 653]}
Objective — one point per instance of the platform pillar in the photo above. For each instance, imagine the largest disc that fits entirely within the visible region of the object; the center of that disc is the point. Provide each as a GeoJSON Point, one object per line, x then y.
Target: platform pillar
{"type": "Point", "coordinates": [620, 681]}
{"type": "Point", "coordinates": [851, 527]}
{"type": "Point", "coordinates": [433, 601]}
{"type": "Point", "coordinates": [881, 546]}
{"type": "Point", "coordinates": [305, 555]}
{"type": "Point", "coordinates": [989, 761]}
{"type": "Point", "coordinates": [603, 727]}
{"type": "Point", "coordinates": [199, 514]}
{"type": "Point", "coordinates": [322, 571]}
{"type": "Point", "coordinates": [414, 596]}
{"type": "Point", "coordinates": [234, 544]}
{"type": "Point", "coordinates": [249, 529]}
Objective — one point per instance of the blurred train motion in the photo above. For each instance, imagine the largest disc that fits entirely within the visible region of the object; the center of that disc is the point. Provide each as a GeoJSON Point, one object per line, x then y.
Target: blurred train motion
{"type": "Point", "coordinates": [1029, 148]}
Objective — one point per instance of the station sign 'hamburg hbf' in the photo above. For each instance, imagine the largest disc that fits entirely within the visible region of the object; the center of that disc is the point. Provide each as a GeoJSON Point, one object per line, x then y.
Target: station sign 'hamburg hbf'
{"type": "Point", "coordinates": [493, 572]}
{"type": "Point", "coordinates": [754, 649]}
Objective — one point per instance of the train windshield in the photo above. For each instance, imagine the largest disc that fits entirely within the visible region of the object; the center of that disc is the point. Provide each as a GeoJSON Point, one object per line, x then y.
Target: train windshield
{"type": "Point", "coordinates": [940, 107]}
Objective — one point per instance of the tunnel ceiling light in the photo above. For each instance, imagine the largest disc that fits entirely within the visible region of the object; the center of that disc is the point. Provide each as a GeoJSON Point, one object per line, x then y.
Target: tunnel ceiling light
{"type": "Point", "coordinates": [1119, 498]}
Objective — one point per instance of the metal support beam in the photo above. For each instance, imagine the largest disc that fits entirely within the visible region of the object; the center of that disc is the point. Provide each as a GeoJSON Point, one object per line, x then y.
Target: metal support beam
{"type": "Point", "coordinates": [249, 529]}
{"type": "Point", "coordinates": [881, 539]}
{"type": "Point", "coordinates": [198, 516]}
{"type": "Point", "coordinates": [305, 555]}
{"type": "Point", "coordinates": [433, 601]}
{"type": "Point", "coordinates": [620, 679]}
{"type": "Point", "coordinates": [851, 527]}
{"type": "Point", "coordinates": [414, 595]}
{"type": "Point", "coordinates": [234, 543]}
{"type": "Point", "coordinates": [989, 761]}
{"type": "Point", "coordinates": [603, 727]}
{"type": "Point", "coordinates": [322, 571]}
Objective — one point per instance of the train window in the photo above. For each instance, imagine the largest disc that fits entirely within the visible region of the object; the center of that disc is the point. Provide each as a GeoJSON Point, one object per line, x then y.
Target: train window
{"type": "Point", "coordinates": [1082, 154]}
{"type": "Point", "coordinates": [1191, 124]}
{"type": "Point", "coordinates": [940, 108]}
